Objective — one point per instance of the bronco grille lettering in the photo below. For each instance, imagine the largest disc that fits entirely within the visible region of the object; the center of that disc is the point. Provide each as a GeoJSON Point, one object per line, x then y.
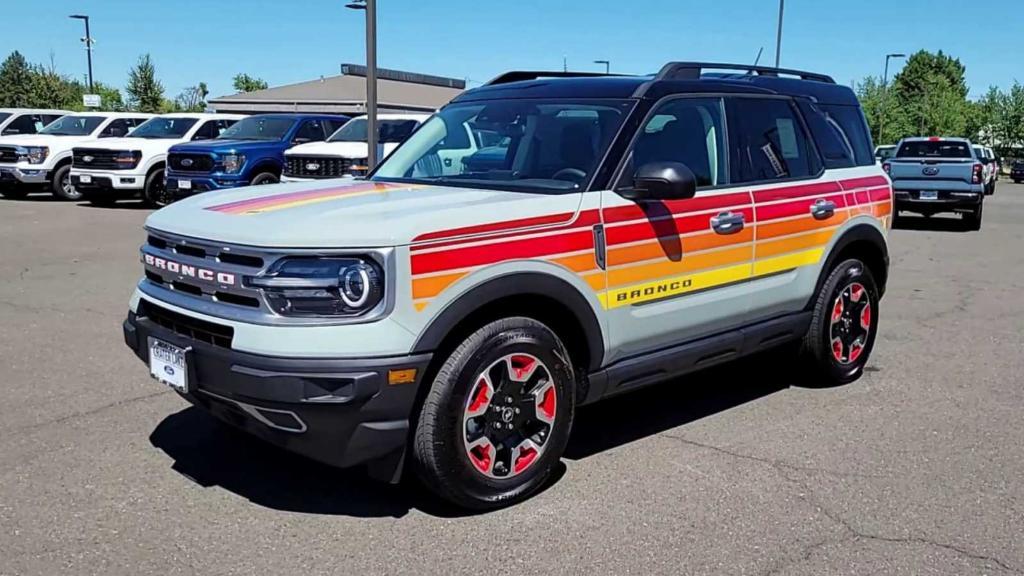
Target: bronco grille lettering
{"type": "Point", "coordinates": [189, 271]}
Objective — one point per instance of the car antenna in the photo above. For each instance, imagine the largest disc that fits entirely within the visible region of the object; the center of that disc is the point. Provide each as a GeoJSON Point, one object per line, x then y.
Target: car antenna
{"type": "Point", "coordinates": [758, 59]}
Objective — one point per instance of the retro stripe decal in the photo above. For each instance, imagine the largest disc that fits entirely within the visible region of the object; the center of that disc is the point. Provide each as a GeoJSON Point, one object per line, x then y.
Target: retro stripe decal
{"type": "Point", "coordinates": [287, 200]}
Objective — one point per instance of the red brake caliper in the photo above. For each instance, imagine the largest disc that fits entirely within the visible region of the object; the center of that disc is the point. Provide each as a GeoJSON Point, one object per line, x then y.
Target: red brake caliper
{"type": "Point", "coordinates": [865, 317]}
{"type": "Point", "coordinates": [547, 404]}
{"type": "Point", "coordinates": [481, 457]}
{"type": "Point", "coordinates": [526, 457]}
{"type": "Point", "coordinates": [837, 310]}
{"type": "Point", "coordinates": [521, 367]}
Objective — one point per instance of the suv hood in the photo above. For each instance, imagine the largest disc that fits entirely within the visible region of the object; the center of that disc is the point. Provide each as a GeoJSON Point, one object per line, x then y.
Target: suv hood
{"type": "Point", "coordinates": [227, 146]}
{"type": "Point", "coordinates": [352, 214]}
{"type": "Point", "coordinates": [44, 140]}
{"type": "Point", "coordinates": [336, 149]}
{"type": "Point", "coordinates": [146, 145]}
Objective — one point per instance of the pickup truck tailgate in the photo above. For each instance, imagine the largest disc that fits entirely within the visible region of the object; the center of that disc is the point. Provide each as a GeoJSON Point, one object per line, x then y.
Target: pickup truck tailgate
{"type": "Point", "coordinates": [946, 174]}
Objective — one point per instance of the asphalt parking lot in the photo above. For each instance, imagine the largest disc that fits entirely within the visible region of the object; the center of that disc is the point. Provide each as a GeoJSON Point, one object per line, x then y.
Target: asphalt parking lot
{"type": "Point", "coordinates": [915, 469]}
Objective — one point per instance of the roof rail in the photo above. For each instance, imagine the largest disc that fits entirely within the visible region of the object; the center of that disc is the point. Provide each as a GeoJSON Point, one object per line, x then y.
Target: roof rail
{"type": "Point", "coordinates": [693, 71]}
{"type": "Point", "coordinates": [521, 75]}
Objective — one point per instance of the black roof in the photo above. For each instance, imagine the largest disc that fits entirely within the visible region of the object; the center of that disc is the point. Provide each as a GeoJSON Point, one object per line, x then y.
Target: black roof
{"type": "Point", "coordinates": [674, 78]}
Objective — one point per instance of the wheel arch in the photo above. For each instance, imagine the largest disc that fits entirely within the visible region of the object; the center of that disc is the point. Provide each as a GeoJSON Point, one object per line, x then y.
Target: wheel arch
{"type": "Point", "coordinates": [864, 242]}
{"type": "Point", "coordinates": [262, 165]}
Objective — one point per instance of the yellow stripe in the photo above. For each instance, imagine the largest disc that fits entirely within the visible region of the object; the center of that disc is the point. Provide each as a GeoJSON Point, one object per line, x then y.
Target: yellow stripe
{"type": "Point", "coordinates": [787, 261]}
{"type": "Point", "coordinates": [673, 286]}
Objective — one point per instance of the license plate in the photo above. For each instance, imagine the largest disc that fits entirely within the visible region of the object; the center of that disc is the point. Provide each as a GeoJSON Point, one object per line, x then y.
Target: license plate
{"type": "Point", "coordinates": [185, 184]}
{"type": "Point", "coordinates": [85, 179]}
{"type": "Point", "coordinates": [929, 195]}
{"type": "Point", "coordinates": [168, 365]}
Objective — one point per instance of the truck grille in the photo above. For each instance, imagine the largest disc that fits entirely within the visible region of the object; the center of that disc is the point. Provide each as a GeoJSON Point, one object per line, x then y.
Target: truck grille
{"type": "Point", "coordinates": [192, 328]}
{"type": "Point", "coordinates": [181, 162]}
{"type": "Point", "coordinates": [97, 158]}
{"type": "Point", "coordinates": [8, 155]}
{"type": "Point", "coordinates": [319, 167]}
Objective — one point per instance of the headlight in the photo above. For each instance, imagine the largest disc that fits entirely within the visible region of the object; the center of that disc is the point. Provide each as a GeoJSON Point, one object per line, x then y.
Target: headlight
{"type": "Point", "coordinates": [232, 163]}
{"type": "Point", "coordinates": [322, 287]}
{"type": "Point", "coordinates": [33, 154]}
{"type": "Point", "coordinates": [127, 158]}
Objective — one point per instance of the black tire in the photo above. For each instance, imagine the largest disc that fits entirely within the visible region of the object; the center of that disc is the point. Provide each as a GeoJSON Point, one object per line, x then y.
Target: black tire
{"type": "Point", "coordinates": [972, 220]}
{"type": "Point", "coordinates": [441, 444]}
{"type": "Point", "coordinates": [822, 365]}
{"type": "Point", "coordinates": [60, 184]}
{"type": "Point", "coordinates": [264, 178]}
{"type": "Point", "coordinates": [14, 193]}
{"type": "Point", "coordinates": [155, 193]}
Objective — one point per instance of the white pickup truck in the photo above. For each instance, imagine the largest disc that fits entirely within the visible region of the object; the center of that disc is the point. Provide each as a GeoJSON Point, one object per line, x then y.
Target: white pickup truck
{"type": "Point", "coordinates": [111, 170]}
{"type": "Point", "coordinates": [21, 121]}
{"type": "Point", "coordinates": [345, 152]}
{"type": "Point", "coordinates": [44, 159]}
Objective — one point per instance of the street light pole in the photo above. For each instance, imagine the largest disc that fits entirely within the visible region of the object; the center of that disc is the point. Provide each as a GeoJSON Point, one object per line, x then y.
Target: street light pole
{"type": "Point", "coordinates": [607, 65]}
{"type": "Point", "coordinates": [88, 45]}
{"type": "Point", "coordinates": [885, 92]}
{"type": "Point", "coordinates": [370, 6]}
{"type": "Point", "coordinates": [778, 37]}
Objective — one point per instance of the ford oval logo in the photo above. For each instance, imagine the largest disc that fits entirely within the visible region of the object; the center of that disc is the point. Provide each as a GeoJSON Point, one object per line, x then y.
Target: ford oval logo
{"type": "Point", "coordinates": [930, 171]}
{"type": "Point", "coordinates": [87, 158]}
{"type": "Point", "coordinates": [312, 166]}
{"type": "Point", "coordinates": [168, 370]}
{"type": "Point", "coordinates": [186, 162]}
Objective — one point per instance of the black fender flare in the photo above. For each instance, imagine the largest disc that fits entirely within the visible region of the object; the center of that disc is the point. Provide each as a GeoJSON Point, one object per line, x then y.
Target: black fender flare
{"type": "Point", "coordinates": [518, 284]}
{"type": "Point", "coordinates": [857, 233]}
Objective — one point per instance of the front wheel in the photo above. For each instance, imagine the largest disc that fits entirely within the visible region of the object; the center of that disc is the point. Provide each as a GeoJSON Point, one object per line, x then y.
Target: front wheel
{"type": "Point", "coordinates": [497, 417]}
{"type": "Point", "coordinates": [972, 220]}
{"type": "Point", "coordinates": [60, 184]}
{"type": "Point", "coordinates": [264, 178]}
{"type": "Point", "coordinates": [155, 193]}
{"type": "Point", "coordinates": [843, 325]}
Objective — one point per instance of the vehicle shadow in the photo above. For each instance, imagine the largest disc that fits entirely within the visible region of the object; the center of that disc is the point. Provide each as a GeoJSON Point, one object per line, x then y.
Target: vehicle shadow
{"type": "Point", "coordinates": [120, 205]}
{"type": "Point", "coordinates": [214, 455]}
{"type": "Point", "coordinates": [933, 224]}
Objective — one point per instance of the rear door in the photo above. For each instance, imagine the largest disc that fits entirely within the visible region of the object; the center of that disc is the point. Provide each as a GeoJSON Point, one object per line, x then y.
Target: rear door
{"type": "Point", "coordinates": [676, 269]}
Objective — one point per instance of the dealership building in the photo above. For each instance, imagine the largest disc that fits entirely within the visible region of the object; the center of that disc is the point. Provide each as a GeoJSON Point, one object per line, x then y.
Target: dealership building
{"type": "Point", "coordinates": [397, 91]}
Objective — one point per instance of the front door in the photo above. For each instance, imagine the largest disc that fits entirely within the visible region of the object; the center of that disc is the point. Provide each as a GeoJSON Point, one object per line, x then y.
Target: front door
{"type": "Point", "coordinates": [676, 269]}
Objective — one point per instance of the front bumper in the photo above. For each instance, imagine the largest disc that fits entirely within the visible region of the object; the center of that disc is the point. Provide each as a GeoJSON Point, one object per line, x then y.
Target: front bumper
{"type": "Point", "coordinates": [118, 183]}
{"type": "Point", "coordinates": [342, 412]}
{"type": "Point", "coordinates": [201, 183]}
{"type": "Point", "coordinates": [910, 200]}
{"type": "Point", "coordinates": [13, 174]}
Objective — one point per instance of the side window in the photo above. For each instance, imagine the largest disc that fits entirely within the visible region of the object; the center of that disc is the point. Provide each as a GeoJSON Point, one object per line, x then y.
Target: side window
{"type": "Point", "coordinates": [333, 125]}
{"type": "Point", "coordinates": [310, 131]}
{"type": "Point", "coordinates": [768, 141]}
{"type": "Point", "coordinates": [690, 131]}
{"type": "Point", "coordinates": [209, 130]}
{"type": "Point", "coordinates": [834, 145]}
{"type": "Point", "coordinates": [855, 128]}
{"type": "Point", "coordinates": [49, 118]}
{"type": "Point", "coordinates": [117, 128]}
{"type": "Point", "coordinates": [25, 124]}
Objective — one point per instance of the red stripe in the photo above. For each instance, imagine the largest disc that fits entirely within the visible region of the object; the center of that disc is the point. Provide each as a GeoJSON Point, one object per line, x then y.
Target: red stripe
{"type": "Point", "coordinates": [666, 227]}
{"type": "Point", "coordinates": [862, 197]}
{"type": "Point", "coordinates": [586, 218]}
{"type": "Point", "coordinates": [816, 189]}
{"type": "Point", "coordinates": [795, 208]}
{"type": "Point", "coordinates": [868, 182]}
{"type": "Point", "coordinates": [262, 201]}
{"type": "Point", "coordinates": [879, 194]}
{"type": "Point", "coordinates": [512, 250]}
{"type": "Point", "coordinates": [496, 226]}
{"type": "Point", "coordinates": [676, 207]}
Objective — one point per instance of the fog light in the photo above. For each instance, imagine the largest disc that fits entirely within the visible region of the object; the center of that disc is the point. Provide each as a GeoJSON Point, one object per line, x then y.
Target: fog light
{"type": "Point", "coordinates": [127, 180]}
{"type": "Point", "coordinates": [404, 376]}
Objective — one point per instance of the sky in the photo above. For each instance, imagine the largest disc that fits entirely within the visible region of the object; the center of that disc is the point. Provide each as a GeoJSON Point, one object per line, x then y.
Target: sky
{"type": "Point", "coordinates": [286, 41]}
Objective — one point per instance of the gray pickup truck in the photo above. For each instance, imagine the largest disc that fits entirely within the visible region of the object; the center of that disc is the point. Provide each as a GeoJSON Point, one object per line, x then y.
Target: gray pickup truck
{"type": "Point", "coordinates": [933, 175]}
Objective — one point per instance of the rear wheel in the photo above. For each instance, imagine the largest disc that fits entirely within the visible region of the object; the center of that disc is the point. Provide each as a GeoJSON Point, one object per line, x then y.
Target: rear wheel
{"type": "Point", "coordinates": [264, 178]}
{"type": "Point", "coordinates": [843, 326]}
{"type": "Point", "coordinates": [973, 219]}
{"type": "Point", "coordinates": [60, 184]}
{"type": "Point", "coordinates": [497, 417]}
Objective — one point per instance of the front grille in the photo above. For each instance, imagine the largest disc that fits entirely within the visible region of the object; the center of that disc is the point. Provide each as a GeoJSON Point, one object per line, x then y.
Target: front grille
{"type": "Point", "coordinates": [99, 159]}
{"type": "Point", "coordinates": [319, 167]}
{"type": "Point", "coordinates": [192, 328]}
{"type": "Point", "coordinates": [8, 155]}
{"type": "Point", "coordinates": [210, 253]}
{"type": "Point", "coordinates": [181, 162]}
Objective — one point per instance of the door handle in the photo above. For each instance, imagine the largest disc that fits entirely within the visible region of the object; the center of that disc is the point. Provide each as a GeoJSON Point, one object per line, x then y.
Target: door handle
{"type": "Point", "coordinates": [823, 209]}
{"type": "Point", "coordinates": [728, 222]}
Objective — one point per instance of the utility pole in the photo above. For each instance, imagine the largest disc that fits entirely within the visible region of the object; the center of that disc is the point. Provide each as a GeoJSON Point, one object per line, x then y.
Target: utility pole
{"type": "Point", "coordinates": [885, 93]}
{"type": "Point", "coordinates": [370, 6]}
{"type": "Point", "coordinates": [778, 37]}
{"type": "Point", "coordinates": [88, 45]}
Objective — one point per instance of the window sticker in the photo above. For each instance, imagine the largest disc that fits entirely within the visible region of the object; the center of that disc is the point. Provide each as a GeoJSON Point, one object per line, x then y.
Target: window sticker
{"type": "Point", "coordinates": [787, 138]}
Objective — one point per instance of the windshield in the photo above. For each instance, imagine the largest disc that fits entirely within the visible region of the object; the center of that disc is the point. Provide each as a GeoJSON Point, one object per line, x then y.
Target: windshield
{"type": "Point", "coordinates": [885, 152]}
{"type": "Point", "coordinates": [4, 116]}
{"type": "Point", "coordinates": [388, 131]}
{"type": "Point", "coordinates": [73, 126]}
{"type": "Point", "coordinates": [257, 128]}
{"type": "Point", "coordinates": [156, 128]}
{"type": "Point", "coordinates": [934, 149]}
{"type": "Point", "coordinates": [548, 146]}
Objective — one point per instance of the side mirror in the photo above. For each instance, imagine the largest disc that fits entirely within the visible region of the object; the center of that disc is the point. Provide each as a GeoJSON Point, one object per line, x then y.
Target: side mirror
{"type": "Point", "coordinates": [663, 181]}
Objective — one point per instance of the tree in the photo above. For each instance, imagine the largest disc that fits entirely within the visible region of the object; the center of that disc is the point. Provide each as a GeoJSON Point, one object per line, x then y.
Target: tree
{"type": "Point", "coordinates": [246, 83]}
{"type": "Point", "coordinates": [193, 98]}
{"type": "Point", "coordinates": [930, 95]}
{"type": "Point", "coordinates": [15, 82]}
{"type": "Point", "coordinates": [110, 97]}
{"type": "Point", "coordinates": [145, 92]}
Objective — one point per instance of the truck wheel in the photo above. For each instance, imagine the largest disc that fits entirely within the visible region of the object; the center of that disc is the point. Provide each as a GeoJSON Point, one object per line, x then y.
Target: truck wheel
{"type": "Point", "coordinates": [60, 184]}
{"type": "Point", "coordinates": [264, 178]}
{"type": "Point", "coordinates": [843, 326]}
{"type": "Point", "coordinates": [497, 417]}
{"type": "Point", "coordinates": [972, 220]}
{"type": "Point", "coordinates": [155, 192]}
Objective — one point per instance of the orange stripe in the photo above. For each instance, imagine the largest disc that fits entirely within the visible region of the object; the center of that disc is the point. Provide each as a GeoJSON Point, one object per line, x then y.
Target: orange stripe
{"type": "Point", "coordinates": [655, 270]}
{"type": "Point", "coordinates": [883, 209]}
{"type": "Point", "coordinates": [433, 285]}
{"type": "Point", "coordinates": [578, 263]}
{"type": "Point", "coordinates": [775, 229]}
{"type": "Point", "coordinates": [794, 244]}
{"type": "Point", "coordinates": [596, 280]}
{"type": "Point", "coordinates": [672, 245]}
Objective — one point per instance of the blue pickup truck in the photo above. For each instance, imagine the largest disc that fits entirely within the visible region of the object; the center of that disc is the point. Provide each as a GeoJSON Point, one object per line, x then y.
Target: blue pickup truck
{"type": "Point", "coordinates": [250, 152]}
{"type": "Point", "coordinates": [933, 175]}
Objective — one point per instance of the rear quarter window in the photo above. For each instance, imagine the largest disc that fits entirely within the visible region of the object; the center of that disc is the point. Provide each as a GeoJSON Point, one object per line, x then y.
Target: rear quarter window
{"type": "Point", "coordinates": [854, 127]}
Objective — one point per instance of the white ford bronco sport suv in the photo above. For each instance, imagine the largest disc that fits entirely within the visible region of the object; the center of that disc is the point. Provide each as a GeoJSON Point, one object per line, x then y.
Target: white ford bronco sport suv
{"type": "Point", "coordinates": [111, 170]}
{"type": "Point", "coordinates": [345, 152]}
{"type": "Point", "coordinates": [44, 159]}
{"type": "Point", "coordinates": [622, 231]}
